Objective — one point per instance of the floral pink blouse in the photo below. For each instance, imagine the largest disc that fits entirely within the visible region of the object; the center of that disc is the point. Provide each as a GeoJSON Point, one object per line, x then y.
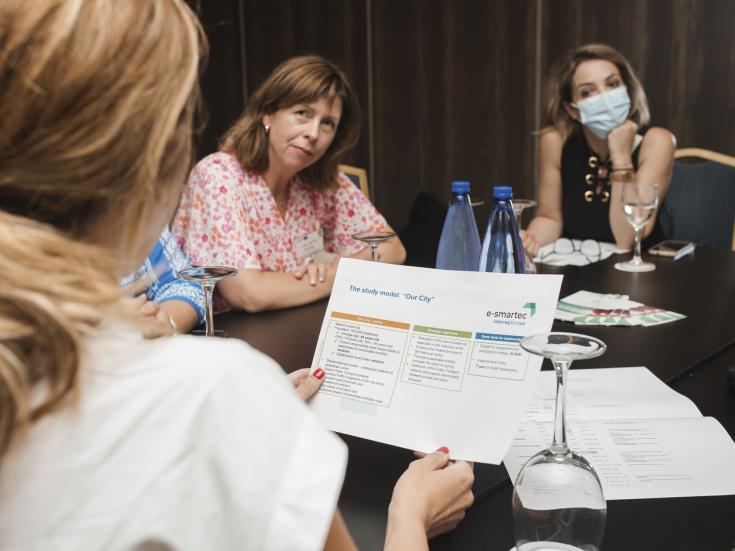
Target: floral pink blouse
{"type": "Point", "coordinates": [228, 216]}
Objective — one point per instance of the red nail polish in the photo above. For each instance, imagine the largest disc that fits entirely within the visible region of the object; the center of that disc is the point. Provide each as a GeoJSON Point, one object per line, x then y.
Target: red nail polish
{"type": "Point", "coordinates": [319, 374]}
{"type": "Point", "coordinates": [443, 449]}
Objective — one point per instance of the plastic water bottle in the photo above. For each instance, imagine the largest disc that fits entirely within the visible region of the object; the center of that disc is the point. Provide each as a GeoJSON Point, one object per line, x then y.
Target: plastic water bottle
{"type": "Point", "coordinates": [502, 249]}
{"type": "Point", "coordinates": [459, 245]}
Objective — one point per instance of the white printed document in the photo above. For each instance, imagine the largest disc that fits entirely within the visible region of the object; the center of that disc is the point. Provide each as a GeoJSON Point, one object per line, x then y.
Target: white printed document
{"type": "Point", "coordinates": [643, 439]}
{"type": "Point", "coordinates": [423, 358]}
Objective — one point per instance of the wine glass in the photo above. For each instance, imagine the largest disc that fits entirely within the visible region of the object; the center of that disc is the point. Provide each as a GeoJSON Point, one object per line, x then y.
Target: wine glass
{"type": "Point", "coordinates": [519, 205]}
{"type": "Point", "coordinates": [557, 499]}
{"type": "Point", "coordinates": [639, 204]}
{"type": "Point", "coordinates": [374, 238]}
{"type": "Point", "coordinates": [207, 277]}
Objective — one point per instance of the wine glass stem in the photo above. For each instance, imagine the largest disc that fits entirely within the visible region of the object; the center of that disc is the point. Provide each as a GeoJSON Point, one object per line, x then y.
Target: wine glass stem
{"type": "Point", "coordinates": [374, 251]}
{"type": "Point", "coordinates": [637, 249]}
{"type": "Point", "coordinates": [209, 320]}
{"type": "Point", "coordinates": [559, 445]}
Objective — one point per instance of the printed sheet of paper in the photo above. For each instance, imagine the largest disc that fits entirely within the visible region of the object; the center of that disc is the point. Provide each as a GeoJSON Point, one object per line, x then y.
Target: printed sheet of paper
{"type": "Point", "coordinates": [643, 439]}
{"type": "Point", "coordinates": [422, 358]}
{"type": "Point", "coordinates": [587, 308]}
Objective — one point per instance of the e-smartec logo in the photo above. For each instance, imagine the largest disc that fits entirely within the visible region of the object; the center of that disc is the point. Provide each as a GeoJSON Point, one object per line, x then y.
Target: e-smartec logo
{"type": "Point", "coordinates": [513, 317]}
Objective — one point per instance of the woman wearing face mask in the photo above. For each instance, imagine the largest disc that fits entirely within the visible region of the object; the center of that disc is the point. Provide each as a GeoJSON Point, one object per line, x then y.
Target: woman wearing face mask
{"type": "Point", "coordinates": [272, 203]}
{"type": "Point", "coordinates": [595, 139]}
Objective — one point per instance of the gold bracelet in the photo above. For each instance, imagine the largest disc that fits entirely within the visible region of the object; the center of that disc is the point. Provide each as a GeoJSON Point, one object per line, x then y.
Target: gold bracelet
{"type": "Point", "coordinates": [622, 175]}
{"type": "Point", "coordinates": [621, 168]}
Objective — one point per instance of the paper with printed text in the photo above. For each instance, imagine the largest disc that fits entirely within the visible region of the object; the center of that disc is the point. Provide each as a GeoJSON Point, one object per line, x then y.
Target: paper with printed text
{"type": "Point", "coordinates": [423, 358]}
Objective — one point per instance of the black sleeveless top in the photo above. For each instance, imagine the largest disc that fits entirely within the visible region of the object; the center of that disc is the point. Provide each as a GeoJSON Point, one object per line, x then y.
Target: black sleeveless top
{"type": "Point", "coordinates": [585, 204]}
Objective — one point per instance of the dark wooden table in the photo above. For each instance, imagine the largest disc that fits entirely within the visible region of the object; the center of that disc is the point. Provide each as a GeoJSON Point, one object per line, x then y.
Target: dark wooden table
{"type": "Point", "coordinates": [692, 355]}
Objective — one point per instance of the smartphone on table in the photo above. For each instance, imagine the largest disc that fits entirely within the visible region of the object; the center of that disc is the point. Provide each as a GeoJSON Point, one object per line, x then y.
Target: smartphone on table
{"type": "Point", "coordinates": [673, 248]}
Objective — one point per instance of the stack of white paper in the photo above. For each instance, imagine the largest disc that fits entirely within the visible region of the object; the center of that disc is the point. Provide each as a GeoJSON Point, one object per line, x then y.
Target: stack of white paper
{"type": "Point", "coordinates": [643, 439]}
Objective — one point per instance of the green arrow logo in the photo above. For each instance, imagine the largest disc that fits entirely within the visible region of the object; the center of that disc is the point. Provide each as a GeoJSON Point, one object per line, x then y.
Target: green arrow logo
{"type": "Point", "coordinates": [531, 307]}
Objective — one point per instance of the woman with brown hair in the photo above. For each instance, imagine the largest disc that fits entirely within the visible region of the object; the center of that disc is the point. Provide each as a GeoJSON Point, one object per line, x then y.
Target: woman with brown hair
{"type": "Point", "coordinates": [595, 139]}
{"type": "Point", "coordinates": [272, 203]}
{"type": "Point", "coordinates": [109, 440]}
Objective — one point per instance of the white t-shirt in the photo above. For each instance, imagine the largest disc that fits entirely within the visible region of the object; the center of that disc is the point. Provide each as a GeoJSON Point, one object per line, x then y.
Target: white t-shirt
{"type": "Point", "coordinates": [175, 444]}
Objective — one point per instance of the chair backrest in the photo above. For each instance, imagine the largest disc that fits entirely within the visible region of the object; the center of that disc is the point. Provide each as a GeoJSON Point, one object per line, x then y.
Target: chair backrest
{"type": "Point", "coordinates": [700, 203]}
{"type": "Point", "coordinates": [358, 177]}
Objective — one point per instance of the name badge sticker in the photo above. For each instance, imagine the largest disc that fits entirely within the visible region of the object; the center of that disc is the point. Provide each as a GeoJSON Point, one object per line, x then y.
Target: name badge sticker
{"type": "Point", "coordinates": [309, 244]}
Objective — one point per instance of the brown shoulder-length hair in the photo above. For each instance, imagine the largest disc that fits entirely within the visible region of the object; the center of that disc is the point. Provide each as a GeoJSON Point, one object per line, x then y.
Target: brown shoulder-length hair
{"type": "Point", "coordinates": [303, 79]}
{"type": "Point", "coordinates": [559, 87]}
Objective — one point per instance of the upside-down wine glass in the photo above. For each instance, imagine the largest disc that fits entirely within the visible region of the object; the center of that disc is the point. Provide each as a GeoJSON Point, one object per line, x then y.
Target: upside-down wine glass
{"type": "Point", "coordinates": [519, 205]}
{"type": "Point", "coordinates": [558, 502]}
{"type": "Point", "coordinates": [374, 238]}
{"type": "Point", "coordinates": [207, 277]}
{"type": "Point", "coordinates": [639, 204]}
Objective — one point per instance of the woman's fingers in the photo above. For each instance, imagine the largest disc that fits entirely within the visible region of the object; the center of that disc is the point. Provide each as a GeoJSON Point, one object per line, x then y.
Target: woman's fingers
{"type": "Point", "coordinates": [529, 243]}
{"type": "Point", "coordinates": [300, 271]}
{"type": "Point", "coordinates": [150, 308]}
{"type": "Point", "coordinates": [309, 385]}
{"type": "Point", "coordinates": [298, 376]}
{"type": "Point", "coordinates": [434, 490]}
{"type": "Point", "coordinates": [315, 271]}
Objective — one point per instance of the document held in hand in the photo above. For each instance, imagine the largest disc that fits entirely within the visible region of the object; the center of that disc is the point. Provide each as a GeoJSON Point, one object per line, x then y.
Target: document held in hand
{"type": "Point", "coordinates": [422, 358]}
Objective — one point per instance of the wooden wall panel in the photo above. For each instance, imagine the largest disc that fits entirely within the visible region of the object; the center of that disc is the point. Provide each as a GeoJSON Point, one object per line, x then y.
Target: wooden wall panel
{"type": "Point", "coordinates": [453, 81]}
{"type": "Point", "coordinates": [681, 49]}
{"type": "Point", "coordinates": [453, 86]}
{"type": "Point", "coordinates": [336, 29]}
{"type": "Point", "coordinates": [222, 82]}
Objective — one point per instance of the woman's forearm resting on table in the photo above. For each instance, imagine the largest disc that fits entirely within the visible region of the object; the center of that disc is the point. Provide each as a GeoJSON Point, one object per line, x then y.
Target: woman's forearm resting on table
{"type": "Point", "coordinates": [256, 291]}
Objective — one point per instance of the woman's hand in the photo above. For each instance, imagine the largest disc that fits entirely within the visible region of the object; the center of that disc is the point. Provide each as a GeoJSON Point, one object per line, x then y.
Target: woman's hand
{"type": "Point", "coordinates": [431, 497]}
{"type": "Point", "coordinates": [315, 271]}
{"type": "Point", "coordinates": [620, 143]}
{"type": "Point", "coordinates": [156, 322]}
{"type": "Point", "coordinates": [306, 385]}
{"type": "Point", "coordinates": [530, 244]}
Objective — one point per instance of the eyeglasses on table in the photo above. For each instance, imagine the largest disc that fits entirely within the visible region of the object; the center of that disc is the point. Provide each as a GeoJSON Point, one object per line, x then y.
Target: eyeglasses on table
{"type": "Point", "coordinates": [589, 248]}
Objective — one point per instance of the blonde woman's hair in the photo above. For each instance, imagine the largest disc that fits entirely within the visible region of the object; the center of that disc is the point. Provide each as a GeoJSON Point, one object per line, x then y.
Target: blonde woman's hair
{"type": "Point", "coordinates": [95, 121]}
{"type": "Point", "coordinates": [303, 79]}
{"type": "Point", "coordinates": [559, 87]}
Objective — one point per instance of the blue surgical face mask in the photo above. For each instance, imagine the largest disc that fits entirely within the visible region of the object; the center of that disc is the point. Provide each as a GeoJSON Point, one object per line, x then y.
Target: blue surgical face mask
{"type": "Point", "coordinates": [603, 112]}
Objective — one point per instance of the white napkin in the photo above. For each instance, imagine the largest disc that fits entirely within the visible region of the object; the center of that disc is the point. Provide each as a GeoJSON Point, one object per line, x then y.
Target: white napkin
{"type": "Point", "coordinates": [576, 258]}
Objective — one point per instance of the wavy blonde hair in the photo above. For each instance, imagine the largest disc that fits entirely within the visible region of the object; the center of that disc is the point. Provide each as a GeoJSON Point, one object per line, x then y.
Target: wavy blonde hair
{"type": "Point", "coordinates": [559, 88]}
{"type": "Point", "coordinates": [95, 121]}
{"type": "Point", "coordinates": [303, 79]}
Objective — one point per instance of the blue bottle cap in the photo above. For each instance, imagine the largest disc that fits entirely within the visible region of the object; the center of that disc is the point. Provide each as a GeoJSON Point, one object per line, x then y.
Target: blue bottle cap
{"type": "Point", "coordinates": [460, 186]}
{"type": "Point", "coordinates": [502, 192]}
